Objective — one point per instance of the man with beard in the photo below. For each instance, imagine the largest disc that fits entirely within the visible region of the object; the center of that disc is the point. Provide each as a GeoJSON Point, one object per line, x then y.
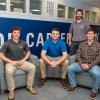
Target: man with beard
{"type": "Point", "coordinates": [77, 32]}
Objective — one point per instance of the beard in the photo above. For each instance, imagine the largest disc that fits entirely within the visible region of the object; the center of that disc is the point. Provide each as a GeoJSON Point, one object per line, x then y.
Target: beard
{"type": "Point", "coordinates": [79, 17]}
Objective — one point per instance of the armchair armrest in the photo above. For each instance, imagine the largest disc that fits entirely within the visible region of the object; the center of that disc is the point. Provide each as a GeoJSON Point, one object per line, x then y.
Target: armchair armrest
{"type": "Point", "coordinates": [34, 59]}
{"type": "Point", "coordinates": [72, 59]}
{"type": "Point", "coordinates": [2, 80]}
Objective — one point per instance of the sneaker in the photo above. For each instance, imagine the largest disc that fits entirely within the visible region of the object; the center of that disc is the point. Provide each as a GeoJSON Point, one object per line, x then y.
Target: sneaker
{"type": "Point", "coordinates": [42, 82]}
{"type": "Point", "coordinates": [64, 83]}
{"type": "Point", "coordinates": [71, 89]}
{"type": "Point", "coordinates": [31, 90]}
{"type": "Point", "coordinates": [92, 96]}
{"type": "Point", "coordinates": [11, 95]}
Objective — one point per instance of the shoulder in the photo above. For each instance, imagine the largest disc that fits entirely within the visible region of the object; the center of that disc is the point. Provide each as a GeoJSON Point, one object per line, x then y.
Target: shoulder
{"type": "Point", "coordinates": [86, 22]}
{"type": "Point", "coordinates": [83, 43]}
{"type": "Point", "coordinates": [7, 42]}
{"type": "Point", "coordinates": [48, 40]}
{"type": "Point", "coordinates": [23, 42]}
{"type": "Point", "coordinates": [73, 22]}
{"type": "Point", "coordinates": [97, 43]}
{"type": "Point", "coordinates": [61, 42]}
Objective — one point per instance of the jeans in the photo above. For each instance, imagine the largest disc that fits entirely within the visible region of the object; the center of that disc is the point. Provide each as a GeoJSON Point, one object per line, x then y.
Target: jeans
{"type": "Point", "coordinates": [76, 68]}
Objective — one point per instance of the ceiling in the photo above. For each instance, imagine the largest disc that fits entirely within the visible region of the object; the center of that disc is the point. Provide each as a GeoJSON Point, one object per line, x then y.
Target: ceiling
{"type": "Point", "coordinates": [92, 2]}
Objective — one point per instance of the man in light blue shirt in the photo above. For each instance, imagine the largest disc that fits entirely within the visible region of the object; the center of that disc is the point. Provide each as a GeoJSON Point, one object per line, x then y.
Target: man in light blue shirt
{"type": "Point", "coordinates": [54, 53]}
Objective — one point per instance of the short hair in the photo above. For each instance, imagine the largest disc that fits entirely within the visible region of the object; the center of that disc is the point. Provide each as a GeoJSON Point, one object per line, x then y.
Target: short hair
{"type": "Point", "coordinates": [56, 29]}
{"type": "Point", "coordinates": [15, 28]}
{"type": "Point", "coordinates": [79, 10]}
{"type": "Point", "coordinates": [91, 30]}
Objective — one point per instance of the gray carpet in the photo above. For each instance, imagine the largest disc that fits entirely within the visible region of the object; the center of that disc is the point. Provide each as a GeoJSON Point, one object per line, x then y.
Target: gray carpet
{"type": "Point", "coordinates": [52, 90]}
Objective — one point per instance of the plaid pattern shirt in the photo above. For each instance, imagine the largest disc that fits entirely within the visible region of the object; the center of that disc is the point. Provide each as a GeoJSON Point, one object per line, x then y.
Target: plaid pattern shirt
{"type": "Point", "coordinates": [89, 54]}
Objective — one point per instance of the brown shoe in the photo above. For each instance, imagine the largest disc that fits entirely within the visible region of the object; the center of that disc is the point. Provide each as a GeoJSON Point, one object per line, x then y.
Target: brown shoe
{"type": "Point", "coordinates": [92, 96]}
{"type": "Point", "coordinates": [64, 83]}
{"type": "Point", "coordinates": [42, 82]}
{"type": "Point", "coordinates": [31, 90]}
{"type": "Point", "coordinates": [11, 95]}
{"type": "Point", "coordinates": [71, 89]}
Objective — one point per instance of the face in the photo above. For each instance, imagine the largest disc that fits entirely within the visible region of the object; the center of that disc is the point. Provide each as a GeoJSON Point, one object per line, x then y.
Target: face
{"type": "Point", "coordinates": [79, 15]}
{"type": "Point", "coordinates": [16, 34]}
{"type": "Point", "coordinates": [90, 35]}
{"type": "Point", "coordinates": [55, 35]}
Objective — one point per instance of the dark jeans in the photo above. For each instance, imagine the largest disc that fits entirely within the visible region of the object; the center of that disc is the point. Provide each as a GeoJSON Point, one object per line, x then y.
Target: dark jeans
{"type": "Point", "coordinates": [74, 47]}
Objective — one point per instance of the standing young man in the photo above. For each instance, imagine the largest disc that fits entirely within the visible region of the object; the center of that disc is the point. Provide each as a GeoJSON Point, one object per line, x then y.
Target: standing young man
{"type": "Point", "coordinates": [88, 58]}
{"type": "Point", "coordinates": [12, 53]}
{"type": "Point", "coordinates": [54, 53]}
{"type": "Point", "coordinates": [77, 32]}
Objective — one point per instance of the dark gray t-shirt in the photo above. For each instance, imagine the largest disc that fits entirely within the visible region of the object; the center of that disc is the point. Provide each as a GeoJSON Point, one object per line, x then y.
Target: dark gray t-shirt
{"type": "Point", "coordinates": [14, 51]}
{"type": "Point", "coordinates": [79, 30]}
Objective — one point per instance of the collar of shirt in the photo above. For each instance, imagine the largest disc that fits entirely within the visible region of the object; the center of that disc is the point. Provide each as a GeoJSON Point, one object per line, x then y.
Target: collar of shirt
{"type": "Point", "coordinates": [80, 21]}
{"type": "Point", "coordinates": [90, 43]}
{"type": "Point", "coordinates": [56, 41]}
{"type": "Point", "coordinates": [15, 42]}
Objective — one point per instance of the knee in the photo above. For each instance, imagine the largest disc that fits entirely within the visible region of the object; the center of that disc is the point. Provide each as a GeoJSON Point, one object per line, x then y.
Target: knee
{"type": "Point", "coordinates": [96, 74]}
{"type": "Point", "coordinates": [32, 67]}
{"type": "Point", "coordinates": [9, 71]}
{"type": "Point", "coordinates": [41, 61]}
{"type": "Point", "coordinates": [66, 62]}
{"type": "Point", "coordinates": [69, 68]}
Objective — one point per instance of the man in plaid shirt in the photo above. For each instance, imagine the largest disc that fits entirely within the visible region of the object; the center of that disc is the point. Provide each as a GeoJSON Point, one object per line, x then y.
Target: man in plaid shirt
{"type": "Point", "coordinates": [88, 58]}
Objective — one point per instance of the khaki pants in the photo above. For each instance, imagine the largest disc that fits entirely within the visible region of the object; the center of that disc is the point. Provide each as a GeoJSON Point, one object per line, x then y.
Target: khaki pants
{"type": "Point", "coordinates": [63, 64]}
{"type": "Point", "coordinates": [10, 70]}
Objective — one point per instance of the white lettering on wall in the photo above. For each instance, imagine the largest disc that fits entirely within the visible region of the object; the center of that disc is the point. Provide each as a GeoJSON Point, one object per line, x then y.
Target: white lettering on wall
{"type": "Point", "coordinates": [29, 35]}
{"type": "Point", "coordinates": [40, 40]}
{"type": "Point", "coordinates": [1, 39]}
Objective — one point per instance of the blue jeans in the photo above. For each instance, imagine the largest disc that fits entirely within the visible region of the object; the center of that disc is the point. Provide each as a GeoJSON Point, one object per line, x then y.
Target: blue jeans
{"type": "Point", "coordinates": [76, 68]}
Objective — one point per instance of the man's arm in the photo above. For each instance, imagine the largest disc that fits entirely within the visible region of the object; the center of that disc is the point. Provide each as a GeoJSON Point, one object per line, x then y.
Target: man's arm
{"type": "Point", "coordinates": [27, 55]}
{"type": "Point", "coordinates": [4, 58]}
{"type": "Point", "coordinates": [63, 57]}
{"type": "Point", "coordinates": [97, 59]}
{"type": "Point", "coordinates": [43, 56]}
{"type": "Point", "coordinates": [70, 35]}
{"type": "Point", "coordinates": [69, 39]}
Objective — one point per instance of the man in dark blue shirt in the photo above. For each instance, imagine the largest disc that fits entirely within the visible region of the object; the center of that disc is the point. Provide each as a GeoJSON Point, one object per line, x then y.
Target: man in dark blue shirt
{"type": "Point", "coordinates": [54, 53]}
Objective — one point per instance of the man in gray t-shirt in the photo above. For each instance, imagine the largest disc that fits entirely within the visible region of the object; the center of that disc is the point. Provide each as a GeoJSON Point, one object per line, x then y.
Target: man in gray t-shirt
{"type": "Point", "coordinates": [12, 53]}
{"type": "Point", "coordinates": [77, 32]}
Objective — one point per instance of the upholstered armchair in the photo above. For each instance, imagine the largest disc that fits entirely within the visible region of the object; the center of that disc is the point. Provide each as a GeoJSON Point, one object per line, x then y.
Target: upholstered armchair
{"type": "Point", "coordinates": [19, 76]}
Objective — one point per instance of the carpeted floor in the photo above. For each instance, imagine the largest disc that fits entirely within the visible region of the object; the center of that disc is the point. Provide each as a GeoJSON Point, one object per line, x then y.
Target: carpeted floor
{"type": "Point", "coordinates": [52, 90]}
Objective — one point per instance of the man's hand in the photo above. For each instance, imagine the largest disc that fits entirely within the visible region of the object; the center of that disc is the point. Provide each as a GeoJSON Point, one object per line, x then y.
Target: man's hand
{"type": "Point", "coordinates": [54, 64]}
{"type": "Point", "coordinates": [14, 63]}
{"type": "Point", "coordinates": [69, 43]}
{"type": "Point", "coordinates": [85, 66]}
{"type": "Point", "coordinates": [21, 62]}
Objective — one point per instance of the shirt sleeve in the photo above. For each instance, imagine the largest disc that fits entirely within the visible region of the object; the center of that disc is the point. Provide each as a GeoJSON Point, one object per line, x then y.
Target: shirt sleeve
{"type": "Point", "coordinates": [26, 48]}
{"type": "Point", "coordinates": [97, 59]}
{"type": "Point", "coordinates": [63, 47]}
{"type": "Point", "coordinates": [46, 46]}
{"type": "Point", "coordinates": [4, 48]}
{"type": "Point", "coordinates": [71, 29]}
